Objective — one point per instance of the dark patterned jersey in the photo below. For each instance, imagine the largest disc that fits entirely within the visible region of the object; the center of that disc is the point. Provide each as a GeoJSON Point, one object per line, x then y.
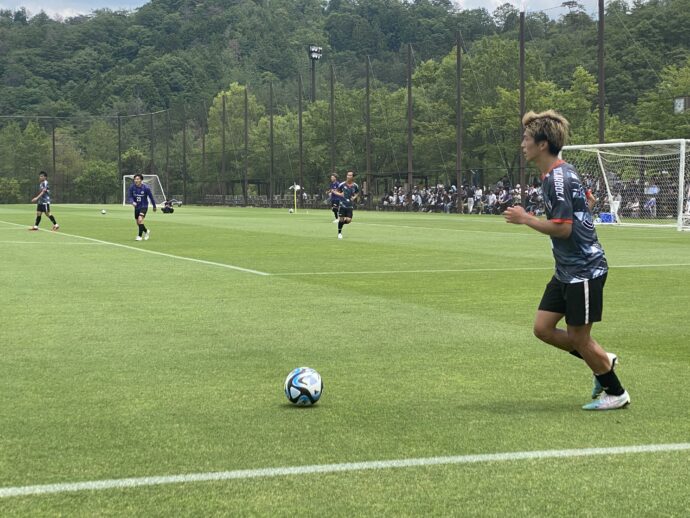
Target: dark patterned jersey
{"type": "Point", "coordinates": [334, 187]}
{"type": "Point", "coordinates": [45, 197]}
{"type": "Point", "coordinates": [580, 257]}
{"type": "Point", "coordinates": [348, 193]}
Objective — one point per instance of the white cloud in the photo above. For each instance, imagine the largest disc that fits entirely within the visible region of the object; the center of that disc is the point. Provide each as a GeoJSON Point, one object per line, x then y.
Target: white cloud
{"type": "Point", "coordinates": [554, 8]}
{"type": "Point", "coordinates": [69, 8]}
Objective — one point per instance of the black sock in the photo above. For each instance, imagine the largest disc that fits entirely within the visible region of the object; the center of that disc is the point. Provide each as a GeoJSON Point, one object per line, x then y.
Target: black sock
{"type": "Point", "coordinates": [340, 226]}
{"type": "Point", "coordinates": [38, 221]}
{"type": "Point", "coordinates": [576, 354]}
{"type": "Point", "coordinates": [144, 227]}
{"type": "Point", "coordinates": [610, 382]}
{"type": "Point", "coordinates": [141, 230]}
{"type": "Point", "coordinates": [335, 213]}
{"type": "Point", "coordinates": [52, 218]}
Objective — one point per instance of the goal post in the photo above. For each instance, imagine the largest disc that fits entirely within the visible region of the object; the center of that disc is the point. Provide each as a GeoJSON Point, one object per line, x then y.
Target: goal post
{"type": "Point", "coordinates": [151, 180]}
{"type": "Point", "coordinates": [636, 183]}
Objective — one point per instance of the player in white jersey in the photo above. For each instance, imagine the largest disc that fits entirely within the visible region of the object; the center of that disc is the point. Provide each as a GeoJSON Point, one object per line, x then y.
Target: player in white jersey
{"type": "Point", "coordinates": [42, 201]}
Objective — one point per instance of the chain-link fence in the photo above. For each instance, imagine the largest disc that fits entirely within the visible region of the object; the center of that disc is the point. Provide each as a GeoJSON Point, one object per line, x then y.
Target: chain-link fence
{"type": "Point", "coordinates": [240, 149]}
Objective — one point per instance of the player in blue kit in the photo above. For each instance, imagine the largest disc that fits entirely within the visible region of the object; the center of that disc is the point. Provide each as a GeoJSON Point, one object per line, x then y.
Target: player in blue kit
{"type": "Point", "coordinates": [139, 196]}
{"type": "Point", "coordinates": [335, 199]}
{"type": "Point", "coordinates": [576, 289]}
{"type": "Point", "coordinates": [42, 201]}
{"type": "Point", "coordinates": [347, 191]}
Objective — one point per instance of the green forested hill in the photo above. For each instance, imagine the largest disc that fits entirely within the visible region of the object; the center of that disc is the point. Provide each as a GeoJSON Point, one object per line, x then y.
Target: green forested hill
{"type": "Point", "coordinates": [183, 56]}
{"type": "Point", "coordinates": [173, 50]}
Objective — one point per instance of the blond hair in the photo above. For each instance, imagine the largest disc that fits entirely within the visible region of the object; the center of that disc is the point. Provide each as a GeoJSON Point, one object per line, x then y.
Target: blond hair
{"type": "Point", "coordinates": [549, 126]}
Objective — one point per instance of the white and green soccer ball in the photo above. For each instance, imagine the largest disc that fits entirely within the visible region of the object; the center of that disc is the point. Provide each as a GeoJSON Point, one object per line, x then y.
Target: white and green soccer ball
{"type": "Point", "coordinates": [103, 211]}
{"type": "Point", "coordinates": [303, 386]}
{"type": "Point", "coordinates": [290, 211]}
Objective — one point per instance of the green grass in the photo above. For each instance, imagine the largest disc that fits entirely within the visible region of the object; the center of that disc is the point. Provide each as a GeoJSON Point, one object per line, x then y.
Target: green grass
{"type": "Point", "coordinates": [116, 363]}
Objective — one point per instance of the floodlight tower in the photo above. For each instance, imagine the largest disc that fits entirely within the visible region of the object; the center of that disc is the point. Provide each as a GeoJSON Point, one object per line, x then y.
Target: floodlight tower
{"type": "Point", "coordinates": [315, 53]}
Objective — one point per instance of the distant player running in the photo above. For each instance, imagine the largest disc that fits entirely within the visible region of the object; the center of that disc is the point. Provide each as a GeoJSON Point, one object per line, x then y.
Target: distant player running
{"type": "Point", "coordinates": [347, 191]}
{"type": "Point", "coordinates": [576, 290]}
{"type": "Point", "coordinates": [42, 201]}
{"type": "Point", "coordinates": [335, 199]}
{"type": "Point", "coordinates": [139, 195]}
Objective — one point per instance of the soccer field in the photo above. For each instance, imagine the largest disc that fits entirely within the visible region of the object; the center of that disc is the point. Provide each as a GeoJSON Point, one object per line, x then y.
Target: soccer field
{"type": "Point", "coordinates": [153, 371]}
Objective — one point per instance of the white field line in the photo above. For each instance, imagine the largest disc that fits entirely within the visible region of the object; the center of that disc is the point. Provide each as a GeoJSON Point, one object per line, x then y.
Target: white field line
{"type": "Point", "coordinates": [395, 272]}
{"type": "Point", "coordinates": [162, 254]}
{"type": "Point", "coordinates": [468, 270]}
{"type": "Point", "coordinates": [372, 272]}
{"type": "Point", "coordinates": [93, 485]}
{"type": "Point", "coordinates": [41, 243]}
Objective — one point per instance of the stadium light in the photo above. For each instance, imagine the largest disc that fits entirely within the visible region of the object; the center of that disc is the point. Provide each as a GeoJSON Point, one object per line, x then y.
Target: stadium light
{"type": "Point", "coordinates": [315, 52]}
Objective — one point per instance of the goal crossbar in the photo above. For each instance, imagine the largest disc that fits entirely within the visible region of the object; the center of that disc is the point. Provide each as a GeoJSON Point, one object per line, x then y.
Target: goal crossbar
{"type": "Point", "coordinates": [638, 183]}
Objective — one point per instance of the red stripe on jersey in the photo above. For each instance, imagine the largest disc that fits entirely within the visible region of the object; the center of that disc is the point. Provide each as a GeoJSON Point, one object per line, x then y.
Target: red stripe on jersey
{"type": "Point", "coordinates": [562, 220]}
{"type": "Point", "coordinates": [553, 166]}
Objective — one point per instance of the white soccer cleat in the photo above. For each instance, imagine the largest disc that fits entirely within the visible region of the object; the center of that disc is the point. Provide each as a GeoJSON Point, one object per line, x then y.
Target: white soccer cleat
{"type": "Point", "coordinates": [609, 402]}
{"type": "Point", "coordinates": [335, 221]}
{"type": "Point", "coordinates": [598, 389]}
{"type": "Point", "coordinates": [56, 226]}
{"type": "Point", "coordinates": [33, 228]}
{"type": "Point", "coordinates": [138, 238]}
{"type": "Point", "coordinates": [146, 235]}
{"type": "Point", "coordinates": [340, 236]}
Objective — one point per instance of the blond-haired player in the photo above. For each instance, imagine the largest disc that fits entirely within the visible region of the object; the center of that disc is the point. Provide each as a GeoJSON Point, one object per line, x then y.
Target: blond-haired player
{"type": "Point", "coordinates": [576, 289]}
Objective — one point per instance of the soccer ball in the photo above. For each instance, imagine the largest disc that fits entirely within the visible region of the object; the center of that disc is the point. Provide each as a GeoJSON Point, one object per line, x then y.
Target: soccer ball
{"type": "Point", "coordinates": [103, 211]}
{"type": "Point", "coordinates": [303, 386]}
{"type": "Point", "coordinates": [290, 211]}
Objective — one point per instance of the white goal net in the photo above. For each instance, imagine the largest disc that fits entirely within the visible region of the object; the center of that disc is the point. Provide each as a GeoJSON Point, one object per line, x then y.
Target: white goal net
{"type": "Point", "coordinates": [639, 183]}
{"type": "Point", "coordinates": [151, 180]}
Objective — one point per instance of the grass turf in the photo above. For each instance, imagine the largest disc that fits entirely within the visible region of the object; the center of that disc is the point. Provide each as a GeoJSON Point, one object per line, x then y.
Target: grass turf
{"type": "Point", "coordinates": [118, 363]}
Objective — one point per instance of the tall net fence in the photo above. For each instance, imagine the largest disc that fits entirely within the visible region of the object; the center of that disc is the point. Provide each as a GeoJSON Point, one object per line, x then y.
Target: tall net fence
{"type": "Point", "coordinates": [239, 149]}
{"type": "Point", "coordinates": [85, 157]}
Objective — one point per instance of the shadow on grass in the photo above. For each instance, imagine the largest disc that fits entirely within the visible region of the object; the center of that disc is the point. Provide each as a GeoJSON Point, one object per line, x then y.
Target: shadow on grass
{"type": "Point", "coordinates": [524, 407]}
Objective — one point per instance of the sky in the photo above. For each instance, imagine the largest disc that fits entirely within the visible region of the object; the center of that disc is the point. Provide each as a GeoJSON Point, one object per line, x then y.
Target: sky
{"type": "Point", "coordinates": [67, 8]}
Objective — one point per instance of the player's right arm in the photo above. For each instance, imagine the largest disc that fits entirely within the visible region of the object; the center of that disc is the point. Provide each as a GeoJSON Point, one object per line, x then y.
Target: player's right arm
{"type": "Point", "coordinates": [555, 228]}
{"type": "Point", "coordinates": [41, 193]}
{"type": "Point", "coordinates": [338, 193]}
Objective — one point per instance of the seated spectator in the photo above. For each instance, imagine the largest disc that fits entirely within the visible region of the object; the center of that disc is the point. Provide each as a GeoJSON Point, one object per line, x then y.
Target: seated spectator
{"type": "Point", "coordinates": [505, 200]}
{"type": "Point", "coordinates": [650, 208]}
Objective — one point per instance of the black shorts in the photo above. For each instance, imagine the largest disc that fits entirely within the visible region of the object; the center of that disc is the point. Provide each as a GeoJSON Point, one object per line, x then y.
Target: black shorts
{"type": "Point", "coordinates": [581, 302]}
{"type": "Point", "coordinates": [139, 212]}
{"type": "Point", "coordinates": [43, 207]}
{"type": "Point", "coordinates": [345, 212]}
{"type": "Point", "coordinates": [335, 204]}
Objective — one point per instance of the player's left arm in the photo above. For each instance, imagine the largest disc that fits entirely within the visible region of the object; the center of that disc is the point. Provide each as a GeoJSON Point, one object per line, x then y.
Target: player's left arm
{"type": "Point", "coordinates": [150, 195]}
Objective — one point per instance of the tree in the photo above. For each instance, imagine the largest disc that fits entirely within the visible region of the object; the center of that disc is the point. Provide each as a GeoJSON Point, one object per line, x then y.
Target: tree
{"type": "Point", "coordinates": [133, 161]}
{"type": "Point", "coordinates": [98, 183]}
{"type": "Point", "coordinates": [655, 110]}
{"type": "Point", "coordinates": [10, 191]}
